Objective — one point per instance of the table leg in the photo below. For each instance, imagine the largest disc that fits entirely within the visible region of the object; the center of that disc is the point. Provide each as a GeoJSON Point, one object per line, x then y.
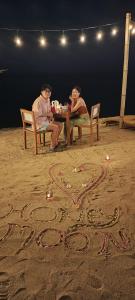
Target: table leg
{"type": "Point", "coordinates": [68, 128]}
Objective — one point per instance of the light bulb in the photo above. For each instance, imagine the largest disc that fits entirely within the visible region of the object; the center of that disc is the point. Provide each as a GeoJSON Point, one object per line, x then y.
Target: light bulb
{"type": "Point", "coordinates": [18, 41]}
{"type": "Point", "coordinates": [133, 30]}
{"type": "Point", "coordinates": [99, 35]}
{"type": "Point", "coordinates": [42, 41]}
{"type": "Point", "coordinates": [63, 40]}
{"type": "Point", "coordinates": [130, 26]}
{"type": "Point", "coordinates": [82, 38]}
{"type": "Point", "coordinates": [114, 31]}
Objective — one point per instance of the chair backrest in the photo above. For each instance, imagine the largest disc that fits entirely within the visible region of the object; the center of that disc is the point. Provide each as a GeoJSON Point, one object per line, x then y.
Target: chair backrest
{"type": "Point", "coordinates": [28, 117]}
{"type": "Point", "coordinates": [95, 111]}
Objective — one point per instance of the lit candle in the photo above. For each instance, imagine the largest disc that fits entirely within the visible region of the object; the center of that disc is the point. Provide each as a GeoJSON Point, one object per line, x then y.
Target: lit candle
{"type": "Point", "coordinates": [68, 186]}
{"type": "Point", "coordinates": [76, 170]}
{"type": "Point", "coordinates": [107, 157]}
{"type": "Point", "coordinates": [49, 194]}
{"type": "Point", "coordinates": [84, 184]}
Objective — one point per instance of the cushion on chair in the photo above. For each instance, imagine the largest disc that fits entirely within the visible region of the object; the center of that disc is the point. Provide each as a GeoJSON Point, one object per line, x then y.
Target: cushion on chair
{"type": "Point", "coordinates": [29, 128]}
{"type": "Point", "coordinates": [28, 117]}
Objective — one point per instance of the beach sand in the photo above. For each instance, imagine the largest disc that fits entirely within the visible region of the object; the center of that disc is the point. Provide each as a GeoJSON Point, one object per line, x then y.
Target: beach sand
{"type": "Point", "coordinates": [80, 244]}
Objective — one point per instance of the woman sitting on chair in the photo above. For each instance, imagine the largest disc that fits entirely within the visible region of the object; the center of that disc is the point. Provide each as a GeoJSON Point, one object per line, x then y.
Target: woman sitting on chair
{"type": "Point", "coordinates": [79, 112]}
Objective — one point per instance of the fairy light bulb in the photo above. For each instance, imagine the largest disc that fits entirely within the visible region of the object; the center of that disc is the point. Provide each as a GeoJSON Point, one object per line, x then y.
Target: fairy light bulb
{"type": "Point", "coordinates": [18, 41]}
{"type": "Point", "coordinates": [63, 40]}
{"type": "Point", "coordinates": [42, 41]}
{"type": "Point", "coordinates": [82, 38]}
{"type": "Point", "coordinates": [114, 31]}
{"type": "Point", "coordinates": [133, 31]}
{"type": "Point", "coordinates": [130, 26]}
{"type": "Point", "coordinates": [99, 35]}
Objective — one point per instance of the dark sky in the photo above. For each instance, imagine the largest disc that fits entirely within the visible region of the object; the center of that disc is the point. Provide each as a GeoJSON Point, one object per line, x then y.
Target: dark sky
{"type": "Point", "coordinates": [61, 14]}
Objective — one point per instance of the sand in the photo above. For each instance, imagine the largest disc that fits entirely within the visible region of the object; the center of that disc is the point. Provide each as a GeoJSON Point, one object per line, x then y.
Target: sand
{"type": "Point", "coordinates": [80, 244]}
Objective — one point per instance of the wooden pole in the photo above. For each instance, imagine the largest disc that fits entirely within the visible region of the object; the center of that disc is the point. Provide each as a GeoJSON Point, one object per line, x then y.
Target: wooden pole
{"type": "Point", "coordinates": [125, 67]}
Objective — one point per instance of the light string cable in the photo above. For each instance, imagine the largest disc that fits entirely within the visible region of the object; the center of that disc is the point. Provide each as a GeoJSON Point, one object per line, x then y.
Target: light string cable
{"type": "Point", "coordinates": [59, 30]}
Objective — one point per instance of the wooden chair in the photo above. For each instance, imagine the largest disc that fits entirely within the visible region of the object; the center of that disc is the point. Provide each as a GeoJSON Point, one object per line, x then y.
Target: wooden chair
{"type": "Point", "coordinates": [93, 122]}
{"type": "Point", "coordinates": [28, 117]}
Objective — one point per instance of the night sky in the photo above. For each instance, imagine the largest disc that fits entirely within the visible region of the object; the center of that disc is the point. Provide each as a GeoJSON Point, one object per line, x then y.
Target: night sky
{"type": "Point", "coordinates": [95, 66]}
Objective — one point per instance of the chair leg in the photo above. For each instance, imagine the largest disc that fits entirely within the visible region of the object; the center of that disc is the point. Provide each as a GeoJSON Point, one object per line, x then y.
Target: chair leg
{"type": "Point", "coordinates": [44, 139]}
{"type": "Point", "coordinates": [36, 144]}
{"type": "Point", "coordinates": [71, 136]}
{"type": "Point", "coordinates": [79, 133]}
{"type": "Point", "coordinates": [39, 138]}
{"type": "Point", "coordinates": [97, 132]}
{"type": "Point", "coordinates": [25, 139]}
{"type": "Point", "coordinates": [91, 135]}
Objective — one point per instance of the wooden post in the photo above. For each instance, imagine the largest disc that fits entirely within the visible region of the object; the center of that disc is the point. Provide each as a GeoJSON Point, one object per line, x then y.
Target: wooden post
{"type": "Point", "coordinates": [125, 67]}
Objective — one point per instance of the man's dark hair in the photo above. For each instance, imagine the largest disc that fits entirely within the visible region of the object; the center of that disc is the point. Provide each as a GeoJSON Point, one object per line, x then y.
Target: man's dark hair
{"type": "Point", "coordinates": [46, 86]}
{"type": "Point", "coordinates": [77, 88]}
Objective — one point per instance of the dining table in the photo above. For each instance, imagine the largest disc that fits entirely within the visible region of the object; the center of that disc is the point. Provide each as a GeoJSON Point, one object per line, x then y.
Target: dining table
{"type": "Point", "coordinates": [65, 115]}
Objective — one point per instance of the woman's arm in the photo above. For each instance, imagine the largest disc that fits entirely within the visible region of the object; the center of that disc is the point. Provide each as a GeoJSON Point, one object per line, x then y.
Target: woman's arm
{"type": "Point", "coordinates": [77, 105]}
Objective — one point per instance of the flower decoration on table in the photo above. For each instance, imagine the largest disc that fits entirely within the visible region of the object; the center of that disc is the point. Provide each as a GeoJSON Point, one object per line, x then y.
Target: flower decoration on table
{"type": "Point", "coordinates": [55, 106]}
{"type": "Point", "coordinates": [65, 107]}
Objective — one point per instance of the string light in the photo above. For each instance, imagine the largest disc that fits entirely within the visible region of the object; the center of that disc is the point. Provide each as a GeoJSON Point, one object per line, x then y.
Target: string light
{"type": "Point", "coordinates": [18, 41]}
{"type": "Point", "coordinates": [82, 38]}
{"type": "Point", "coordinates": [133, 30]}
{"type": "Point", "coordinates": [99, 35]}
{"type": "Point", "coordinates": [42, 41]}
{"type": "Point", "coordinates": [63, 40]}
{"type": "Point", "coordinates": [130, 26]}
{"type": "Point", "coordinates": [114, 31]}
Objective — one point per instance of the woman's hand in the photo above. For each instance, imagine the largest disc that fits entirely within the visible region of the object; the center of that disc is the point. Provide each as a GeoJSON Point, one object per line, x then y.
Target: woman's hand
{"type": "Point", "coordinates": [70, 98]}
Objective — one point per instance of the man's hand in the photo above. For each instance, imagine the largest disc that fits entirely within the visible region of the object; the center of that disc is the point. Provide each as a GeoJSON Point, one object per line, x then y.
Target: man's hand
{"type": "Point", "coordinates": [50, 115]}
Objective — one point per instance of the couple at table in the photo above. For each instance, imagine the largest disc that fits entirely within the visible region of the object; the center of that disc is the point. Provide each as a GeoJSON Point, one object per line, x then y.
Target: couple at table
{"type": "Point", "coordinates": [44, 117]}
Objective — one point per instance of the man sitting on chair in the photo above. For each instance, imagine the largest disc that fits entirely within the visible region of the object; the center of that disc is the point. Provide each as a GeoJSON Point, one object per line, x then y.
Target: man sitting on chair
{"type": "Point", "coordinates": [44, 117]}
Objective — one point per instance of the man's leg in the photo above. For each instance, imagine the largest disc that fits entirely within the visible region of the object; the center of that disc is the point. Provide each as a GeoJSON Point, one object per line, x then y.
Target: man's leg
{"type": "Point", "coordinates": [54, 136]}
{"type": "Point", "coordinates": [60, 126]}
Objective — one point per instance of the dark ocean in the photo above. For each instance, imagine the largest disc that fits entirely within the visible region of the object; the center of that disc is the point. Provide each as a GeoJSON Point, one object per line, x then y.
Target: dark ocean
{"type": "Point", "coordinates": [20, 90]}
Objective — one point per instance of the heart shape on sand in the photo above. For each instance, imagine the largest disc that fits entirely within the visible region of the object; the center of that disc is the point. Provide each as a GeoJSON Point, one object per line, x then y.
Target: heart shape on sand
{"type": "Point", "coordinates": [77, 181]}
